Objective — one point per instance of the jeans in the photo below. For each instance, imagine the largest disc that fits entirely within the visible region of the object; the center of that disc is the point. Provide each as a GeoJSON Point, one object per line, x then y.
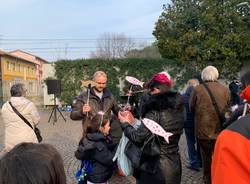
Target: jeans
{"type": "Point", "coordinates": [193, 151]}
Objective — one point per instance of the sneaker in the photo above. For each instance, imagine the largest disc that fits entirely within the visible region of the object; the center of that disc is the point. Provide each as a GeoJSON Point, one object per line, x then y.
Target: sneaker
{"type": "Point", "coordinates": [193, 168]}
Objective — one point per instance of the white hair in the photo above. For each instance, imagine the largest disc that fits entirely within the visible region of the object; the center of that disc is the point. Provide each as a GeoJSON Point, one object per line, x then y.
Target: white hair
{"type": "Point", "coordinates": [99, 73]}
{"type": "Point", "coordinates": [210, 73]}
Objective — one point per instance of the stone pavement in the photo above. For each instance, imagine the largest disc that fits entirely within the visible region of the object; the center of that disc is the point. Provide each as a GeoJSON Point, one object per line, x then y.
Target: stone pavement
{"type": "Point", "coordinates": [65, 136]}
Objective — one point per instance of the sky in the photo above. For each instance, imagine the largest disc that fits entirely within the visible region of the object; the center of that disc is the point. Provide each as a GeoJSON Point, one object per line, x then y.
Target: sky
{"type": "Point", "coordinates": [69, 29]}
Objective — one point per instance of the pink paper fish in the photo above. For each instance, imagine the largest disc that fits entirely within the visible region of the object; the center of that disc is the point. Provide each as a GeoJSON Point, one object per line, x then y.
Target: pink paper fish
{"type": "Point", "coordinates": [155, 128]}
{"type": "Point", "coordinates": [101, 113]}
{"type": "Point", "coordinates": [134, 81]}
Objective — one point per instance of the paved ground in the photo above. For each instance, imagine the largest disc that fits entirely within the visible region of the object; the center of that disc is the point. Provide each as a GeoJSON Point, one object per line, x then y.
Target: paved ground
{"type": "Point", "coordinates": [65, 136]}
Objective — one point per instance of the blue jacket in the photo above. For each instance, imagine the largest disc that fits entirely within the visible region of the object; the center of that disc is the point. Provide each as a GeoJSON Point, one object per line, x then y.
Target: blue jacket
{"type": "Point", "coordinates": [189, 120]}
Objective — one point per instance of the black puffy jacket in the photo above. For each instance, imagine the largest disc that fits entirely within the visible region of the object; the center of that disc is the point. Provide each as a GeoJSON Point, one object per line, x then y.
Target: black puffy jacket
{"type": "Point", "coordinates": [100, 153]}
{"type": "Point", "coordinates": [106, 104]}
{"type": "Point", "coordinates": [167, 109]}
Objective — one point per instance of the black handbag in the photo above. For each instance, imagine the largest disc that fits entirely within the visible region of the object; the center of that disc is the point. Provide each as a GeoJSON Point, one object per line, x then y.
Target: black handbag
{"type": "Point", "coordinates": [150, 148]}
{"type": "Point", "coordinates": [36, 130]}
{"type": "Point", "coordinates": [133, 152]}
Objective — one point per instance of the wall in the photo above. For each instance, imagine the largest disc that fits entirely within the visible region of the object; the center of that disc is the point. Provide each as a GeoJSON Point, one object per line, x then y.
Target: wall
{"type": "Point", "coordinates": [48, 71]}
{"type": "Point", "coordinates": [15, 69]}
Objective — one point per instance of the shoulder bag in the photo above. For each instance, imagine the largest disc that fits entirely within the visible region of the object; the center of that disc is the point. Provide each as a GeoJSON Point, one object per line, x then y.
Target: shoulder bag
{"type": "Point", "coordinates": [219, 114]}
{"type": "Point", "coordinates": [36, 130]}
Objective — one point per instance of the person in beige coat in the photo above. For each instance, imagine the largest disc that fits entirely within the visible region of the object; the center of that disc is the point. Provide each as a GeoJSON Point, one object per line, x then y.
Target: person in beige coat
{"type": "Point", "coordinates": [15, 129]}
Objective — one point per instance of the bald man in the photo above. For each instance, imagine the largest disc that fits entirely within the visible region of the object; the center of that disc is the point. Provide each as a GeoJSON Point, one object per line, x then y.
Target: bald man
{"type": "Point", "coordinates": [100, 99]}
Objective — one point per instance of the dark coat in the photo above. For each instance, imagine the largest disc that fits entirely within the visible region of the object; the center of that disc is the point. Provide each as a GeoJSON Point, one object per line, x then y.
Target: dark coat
{"type": "Point", "coordinates": [106, 104]}
{"type": "Point", "coordinates": [144, 98]}
{"type": "Point", "coordinates": [207, 123]}
{"type": "Point", "coordinates": [166, 109]}
{"type": "Point", "coordinates": [100, 153]}
{"type": "Point", "coordinates": [234, 88]}
{"type": "Point", "coordinates": [234, 116]}
{"type": "Point", "coordinates": [189, 118]}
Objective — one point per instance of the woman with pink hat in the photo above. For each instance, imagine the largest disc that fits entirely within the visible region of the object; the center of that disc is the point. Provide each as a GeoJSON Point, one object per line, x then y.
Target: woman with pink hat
{"type": "Point", "coordinates": [164, 107]}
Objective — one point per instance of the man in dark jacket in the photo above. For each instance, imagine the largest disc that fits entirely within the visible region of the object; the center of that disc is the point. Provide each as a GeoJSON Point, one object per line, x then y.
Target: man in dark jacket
{"type": "Point", "coordinates": [193, 150]}
{"type": "Point", "coordinates": [231, 155]}
{"type": "Point", "coordinates": [234, 88]}
{"type": "Point", "coordinates": [100, 99]}
{"type": "Point", "coordinates": [166, 108]}
{"type": "Point", "coordinates": [207, 121]}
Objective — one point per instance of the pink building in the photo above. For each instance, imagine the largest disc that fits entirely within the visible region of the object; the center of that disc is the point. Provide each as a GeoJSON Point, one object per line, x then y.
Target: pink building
{"type": "Point", "coordinates": [33, 59]}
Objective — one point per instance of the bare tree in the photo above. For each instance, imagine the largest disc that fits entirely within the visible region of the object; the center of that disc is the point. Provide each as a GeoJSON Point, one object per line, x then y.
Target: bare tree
{"type": "Point", "coordinates": [113, 45]}
{"type": "Point", "coordinates": [146, 51]}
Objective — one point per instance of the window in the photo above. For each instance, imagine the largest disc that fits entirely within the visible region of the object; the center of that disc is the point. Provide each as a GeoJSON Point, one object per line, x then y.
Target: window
{"type": "Point", "coordinates": [19, 67]}
{"type": "Point", "coordinates": [17, 79]}
{"type": "Point", "coordinates": [30, 87]}
{"type": "Point", "coordinates": [8, 65]}
{"type": "Point", "coordinates": [14, 66]}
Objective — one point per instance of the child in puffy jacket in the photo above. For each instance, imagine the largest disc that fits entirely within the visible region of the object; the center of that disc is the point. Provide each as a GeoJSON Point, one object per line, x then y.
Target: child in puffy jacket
{"type": "Point", "coordinates": [96, 151]}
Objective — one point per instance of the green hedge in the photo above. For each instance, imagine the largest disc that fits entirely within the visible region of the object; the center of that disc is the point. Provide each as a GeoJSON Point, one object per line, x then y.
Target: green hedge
{"type": "Point", "coordinates": [70, 72]}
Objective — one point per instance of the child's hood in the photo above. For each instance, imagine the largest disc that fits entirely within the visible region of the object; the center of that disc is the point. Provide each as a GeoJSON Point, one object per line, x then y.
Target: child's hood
{"type": "Point", "coordinates": [96, 137]}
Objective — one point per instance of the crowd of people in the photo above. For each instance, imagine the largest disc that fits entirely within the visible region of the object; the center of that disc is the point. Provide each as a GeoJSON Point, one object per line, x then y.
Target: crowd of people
{"type": "Point", "coordinates": [213, 117]}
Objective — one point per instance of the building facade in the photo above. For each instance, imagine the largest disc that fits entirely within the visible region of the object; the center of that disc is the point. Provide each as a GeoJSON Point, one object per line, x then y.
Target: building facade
{"type": "Point", "coordinates": [38, 61]}
{"type": "Point", "coordinates": [18, 69]}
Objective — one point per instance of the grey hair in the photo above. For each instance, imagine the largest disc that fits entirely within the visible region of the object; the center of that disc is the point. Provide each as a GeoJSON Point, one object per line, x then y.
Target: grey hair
{"type": "Point", "coordinates": [193, 82]}
{"type": "Point", "coordinates": [99, 73]}
{"type": "Point", "coordinates": [210, 73]}
{"type": "Point", "coordinates": [17, 90]}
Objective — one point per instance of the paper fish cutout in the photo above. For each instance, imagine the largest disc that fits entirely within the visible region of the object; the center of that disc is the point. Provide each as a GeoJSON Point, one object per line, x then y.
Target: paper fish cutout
{"type": "Point", "coordinates": [134, 81]}
{"type": "Point", "coordinates": [86, 83]}
{"type": "Point", "coordinates": [101, 113]}
{"type": "Point", "coordinates": [155, 128]}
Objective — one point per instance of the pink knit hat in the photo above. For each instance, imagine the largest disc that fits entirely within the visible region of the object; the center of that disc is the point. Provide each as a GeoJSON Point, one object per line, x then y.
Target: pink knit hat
{"type": "Point", "coordinates": [162, 78]}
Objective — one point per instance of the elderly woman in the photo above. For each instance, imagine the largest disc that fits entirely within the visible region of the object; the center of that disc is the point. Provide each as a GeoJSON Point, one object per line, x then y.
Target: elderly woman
{"type": "Point", "coordinates": [207, 121]}
{"type": "Point", "coordinates": [166, 108]}
{"type": "Point", "coordinates": [15, 129]}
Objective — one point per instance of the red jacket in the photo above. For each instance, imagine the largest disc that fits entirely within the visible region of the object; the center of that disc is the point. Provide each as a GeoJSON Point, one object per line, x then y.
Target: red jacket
{"type": "Point", "coordinates": [231, 159]}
